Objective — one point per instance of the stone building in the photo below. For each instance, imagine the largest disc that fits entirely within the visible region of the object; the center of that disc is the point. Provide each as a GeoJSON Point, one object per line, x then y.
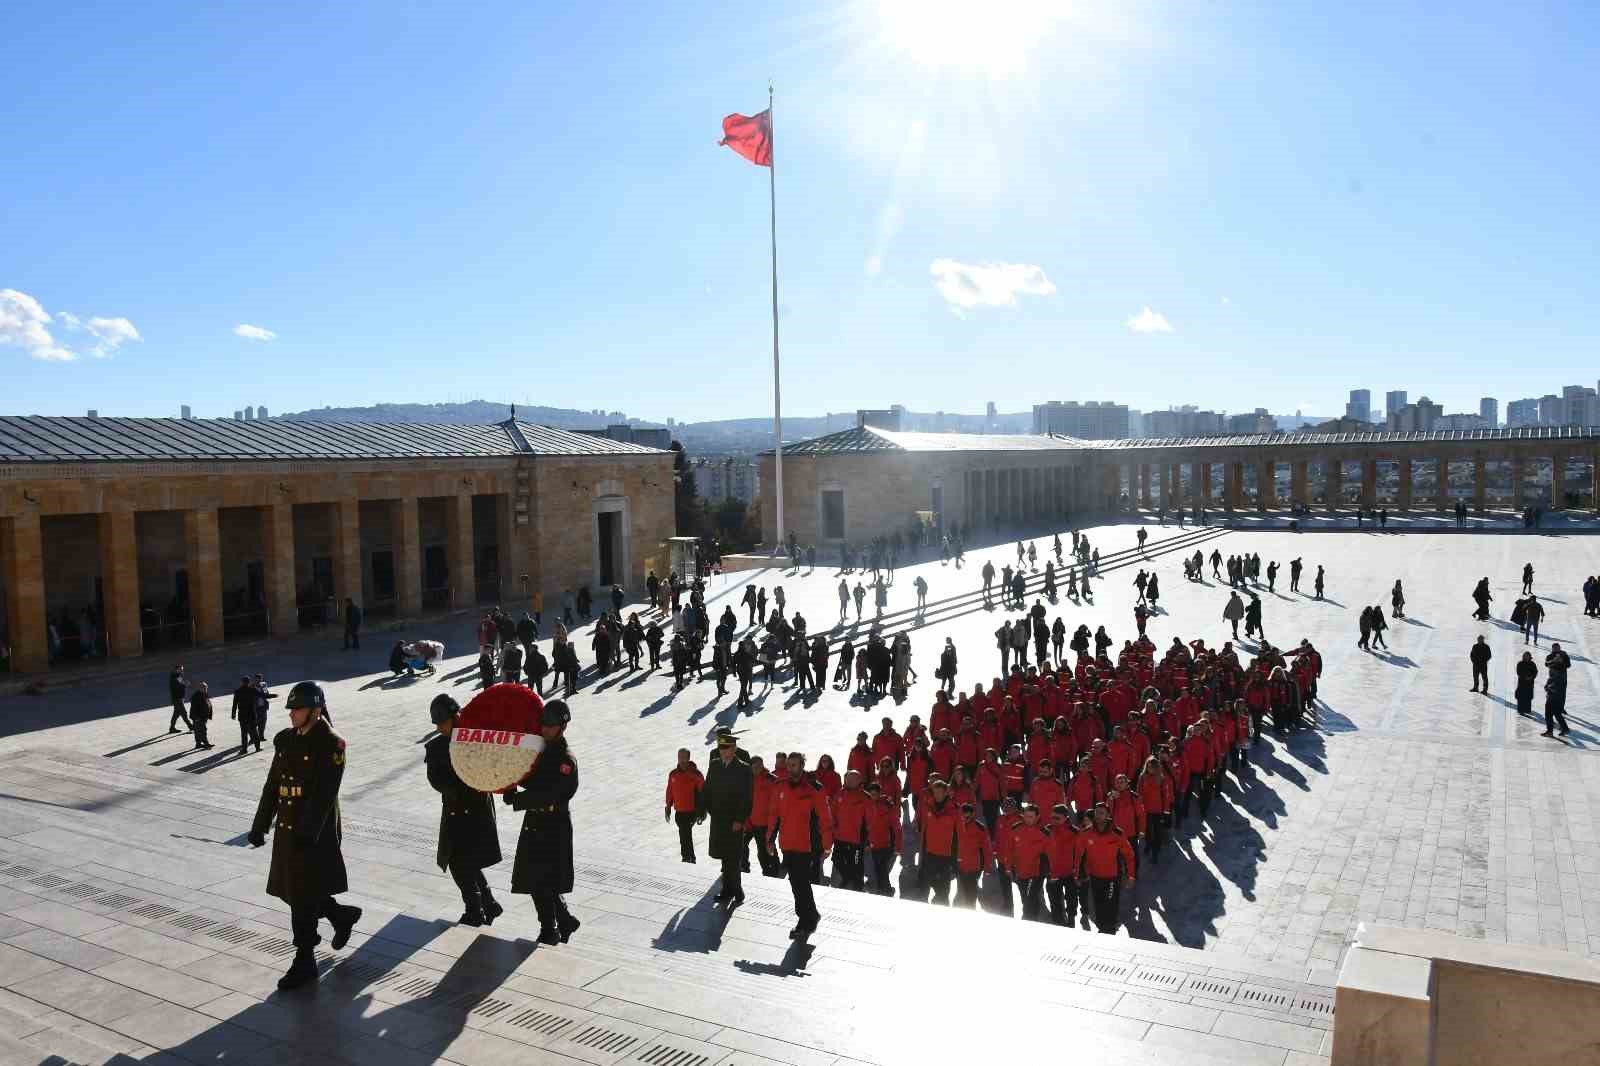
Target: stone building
{"type": "Point", "coordinates": [125, 536]}
{"type": "Point", "coordinates": [865, 482]}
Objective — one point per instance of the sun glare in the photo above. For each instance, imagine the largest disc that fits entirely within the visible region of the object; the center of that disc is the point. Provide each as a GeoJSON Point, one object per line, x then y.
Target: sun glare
{"type": "Point", "coordinates": [991, 37]}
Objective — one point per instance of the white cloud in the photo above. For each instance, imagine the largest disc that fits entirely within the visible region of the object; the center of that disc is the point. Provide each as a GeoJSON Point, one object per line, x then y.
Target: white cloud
{"type": "Point", "coordinates": [25, 324]}
{"type": "Point", "coordinates": [109, 333]}
{"type": "Point", "coordinates": [1148, 321]}
{"type": "Point", "coordinates": [253, 333]}
{"type": "Point", "coordinates": [965, 286]}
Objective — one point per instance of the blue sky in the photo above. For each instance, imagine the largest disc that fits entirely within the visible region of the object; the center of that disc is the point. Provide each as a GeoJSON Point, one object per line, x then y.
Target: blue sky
{"type": "Point", "coordinates": [1229, 205]}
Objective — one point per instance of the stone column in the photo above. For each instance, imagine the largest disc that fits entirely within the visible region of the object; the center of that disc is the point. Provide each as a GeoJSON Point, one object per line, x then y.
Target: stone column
{"type": "Point", "coordinates": [347, 553]}
{"type": "Point", "coordinates": [405, 534]}
{"type": "Point", "coordinates": [1144, 485]}
{"type": "Point", "coordinates": [277, 522]}
{"type": "Point", "coordinates": [119, 578]}
{"type": "Point", "coordinates": [203, 557]}
{"type": "Point", "coordinates": [1369, 482]}
{"type": "Point", "coordinates": [1594, 478]}
{"type": "Point", "coordinates": [1442, 475]}
{"type": "Point", "coordinates": [458, 533]}
{"type": "Point", "coordinates": [22, 556]}
{"type": "Point", "coordinates": [1517, 465]}
{"type": "Point", "coordinates": [1266, 483]}
{"type": "Point", "coordinates": [1333, 482]}
{"type": "Point", "coordinates": [1480, 483]}
{"type": "Point", "coordinates": [1231, 489]}
{"type": "Point", "coordinates": [1205, 483]}
{"type": "Point", "coordinates": [1405, 485]}
{"type": "Point", "coordinates": [1558, 480]}
{"type": "Point", "coordinates": [1300, 482]}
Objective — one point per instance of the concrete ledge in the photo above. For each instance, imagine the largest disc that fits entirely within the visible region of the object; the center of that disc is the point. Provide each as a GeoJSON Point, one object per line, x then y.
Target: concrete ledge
{"type": "Point", "coordinates": [1412, 996]}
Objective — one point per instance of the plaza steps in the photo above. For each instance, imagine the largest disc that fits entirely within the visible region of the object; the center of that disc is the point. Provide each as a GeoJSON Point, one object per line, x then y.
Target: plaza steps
{"type": "Point", "coordinates": [134, 920]}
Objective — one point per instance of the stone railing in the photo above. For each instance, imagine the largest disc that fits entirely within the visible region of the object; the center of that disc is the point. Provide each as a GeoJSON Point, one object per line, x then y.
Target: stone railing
{"type": "Point", "coordinates": [1414, 996]}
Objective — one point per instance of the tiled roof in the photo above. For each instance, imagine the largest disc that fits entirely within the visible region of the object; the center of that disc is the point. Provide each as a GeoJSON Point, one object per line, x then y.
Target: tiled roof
{"type": "Point", "coordinates": [1378, 437]}
{"type": "Point", "coordinates": [42, 439]}
{"type": "Point", "coordinates": [872, 439]}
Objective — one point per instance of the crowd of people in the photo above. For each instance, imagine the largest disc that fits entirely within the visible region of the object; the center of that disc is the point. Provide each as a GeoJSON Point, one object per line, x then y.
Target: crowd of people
{"type": "Point", "coordinates": [1048, 789]}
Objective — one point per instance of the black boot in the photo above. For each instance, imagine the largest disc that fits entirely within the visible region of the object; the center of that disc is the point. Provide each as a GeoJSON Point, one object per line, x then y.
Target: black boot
{"type": "Point", "coordinates": [491, 908]}
{"type": "Point", "coordinates": [566, 924]}
{"type": "Point", "coordinates": [302, 971]}
{"type": "Point", "coordinates": [341, 930]}
{"type": "Point", "coordinates": [471, 916]}
{"type": "Point", "coordinates": [549, 935]}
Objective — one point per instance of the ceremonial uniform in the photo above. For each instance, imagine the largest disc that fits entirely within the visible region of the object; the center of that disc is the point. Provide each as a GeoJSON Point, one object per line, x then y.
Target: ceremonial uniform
{"type": "Point", "coordinates": [468, 842]}
{"type": "Point", "coordinates": [726, 797]}
{"type": "Point", "coordinates": [543, 866]}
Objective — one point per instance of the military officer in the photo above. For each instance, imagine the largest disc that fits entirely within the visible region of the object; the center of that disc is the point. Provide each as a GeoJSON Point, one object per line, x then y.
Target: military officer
{"type": "Point", "coordinates": [726, 799]}
{"type": "Point", "coordinates": [543, 866]}
{"type": "Point", "coordinates": [301, 801]}
{"type": "Point", "coordinates": [468, 842]}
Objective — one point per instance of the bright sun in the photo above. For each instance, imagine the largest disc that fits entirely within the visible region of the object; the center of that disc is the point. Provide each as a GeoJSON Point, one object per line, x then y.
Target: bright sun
{"type": "Point", "coordinates": [991, 37]}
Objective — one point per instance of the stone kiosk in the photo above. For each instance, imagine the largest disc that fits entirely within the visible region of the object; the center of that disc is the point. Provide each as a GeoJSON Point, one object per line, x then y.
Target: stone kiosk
{"type": "Point", "coordinates": [126, 536]}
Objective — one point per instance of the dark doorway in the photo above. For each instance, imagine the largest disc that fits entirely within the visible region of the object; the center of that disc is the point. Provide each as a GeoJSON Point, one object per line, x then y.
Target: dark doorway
{"type": "Point", "coordinates": [180, 587]}
{"type": "Point", "coordinates": [488, 570]}
{"type": "Point", "coordinates": [608, 546]}
{"type": "Point", "coordinates": [383, 576]}
{"type": "Point", "coordinates": [938, 507]}
{"type": "Point", "coordinates": [255, 580]}
{"type": "Point", "coordinates": [435, 574]}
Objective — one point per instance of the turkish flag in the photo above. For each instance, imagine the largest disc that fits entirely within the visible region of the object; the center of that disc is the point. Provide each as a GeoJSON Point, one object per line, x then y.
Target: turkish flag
{"type": "Point", "coordinates": [750, 136]}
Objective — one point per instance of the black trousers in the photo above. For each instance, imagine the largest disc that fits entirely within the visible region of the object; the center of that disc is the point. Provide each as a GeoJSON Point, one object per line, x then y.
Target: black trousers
{"type": "Point", "coordinates": [685, 820]}
{"type": "Point", "coordinates": [180, 713]}
{"type": "Point", "coordinates": [798, 865]}
{"type": "Point", "coordinates": [474, 887]}
{"type": "Point", "coordinates": [937, 872]}
{"type": "Point", "coordinates": [352, 638]}
{"type": "Point", "coordinates": [766, 855]}
{"type": "Point", "coordinates": [201, 738]}
{"type": "Point", "coordinates": [1064, 894]}
{"type": "Point", "coordinates": [1156, 827]}
{"type": "Point", "coordinates": [1006, 902]}
{"type": "Point", "coordinates": [733, 873]}
{"type": "Point", "coordinates": [1031, 889]}
{"type": "Point", "coordinates": [1480, 673]}
{"type": "Point", "coordinates": [882, 864]}
{"type": "Point", "coordinates": [849, 865]}
{"type": "Point", "coordinates": [1554, 717]}
{"type": "Point", "coordinates": [550, 907]}
{"type": "Point", "coordinates": [1106, 894]}
{"type": "Point", "coordinates": [967, 890]}
{"type": "Point", "coordinates": [303, 919]}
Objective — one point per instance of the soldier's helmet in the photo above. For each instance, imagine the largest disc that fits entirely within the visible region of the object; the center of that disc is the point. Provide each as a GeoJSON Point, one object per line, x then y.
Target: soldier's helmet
{"type": "Point", "coordinates": [555, 713]}
{"type": "Point", "coordinates": [443, 706]}
{"type": "Point", "coordinates": [307, 694]}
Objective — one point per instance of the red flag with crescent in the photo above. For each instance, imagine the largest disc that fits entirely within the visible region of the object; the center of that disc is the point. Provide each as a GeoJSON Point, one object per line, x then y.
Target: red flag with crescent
{"type": "Point", "coordinates": [750, 136]}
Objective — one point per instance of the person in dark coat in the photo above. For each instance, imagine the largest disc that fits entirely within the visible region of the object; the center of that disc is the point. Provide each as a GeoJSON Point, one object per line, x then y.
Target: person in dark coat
{"type": "Point", "coordinates": [244, 710]}
{"type": "Point", "coordinates": [468, 843]}
{"type": "Point", "coordinates": [1480, 656]}
{"type": "Point", "coordinates": [1556, 665]}
{"type": "Point", "coordinates": [177, 690]}
{"type": "Point", "coordinates": [1527, 674]}
{"type": "Point", "coordinates": [300, 799]}
{"type": "Point", "coordinates": [543, 867]}
{"type": "Point", "coordinates": [262, 704]}
{"type": "Point", "coordinates": [535, 666]}
{"type": "Point", "coordinates": [352, 625]}
{"type": "Point", "coordinates": [725, 801]}
{"type": "Point", "coordinates": [200, 716]}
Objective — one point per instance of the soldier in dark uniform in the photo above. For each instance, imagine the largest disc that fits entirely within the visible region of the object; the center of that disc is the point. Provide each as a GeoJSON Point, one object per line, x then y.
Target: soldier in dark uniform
{"type": "Point", "coordinates": [726, 799]}
{"type": "Point", "coordinates": [468, 842]}
{"type": "Point", "coordinates": [301, 800]}
{"type": "Point", "coordinates": [543, 867]}
{"type": "Point", "coordinates": [244, 709]}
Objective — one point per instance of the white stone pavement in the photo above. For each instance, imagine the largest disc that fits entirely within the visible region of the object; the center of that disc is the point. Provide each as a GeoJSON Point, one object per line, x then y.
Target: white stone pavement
{"type": "Point", "coordinates": [1416, 804]}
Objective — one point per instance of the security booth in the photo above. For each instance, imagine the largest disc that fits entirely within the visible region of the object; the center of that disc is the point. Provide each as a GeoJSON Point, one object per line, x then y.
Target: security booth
{"type": "Point", "coordinates": [682, 554]}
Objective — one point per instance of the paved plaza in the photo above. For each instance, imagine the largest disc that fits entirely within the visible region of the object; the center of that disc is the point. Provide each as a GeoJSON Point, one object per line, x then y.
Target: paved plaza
{"type": "Point", "coordinates": [134, 918]}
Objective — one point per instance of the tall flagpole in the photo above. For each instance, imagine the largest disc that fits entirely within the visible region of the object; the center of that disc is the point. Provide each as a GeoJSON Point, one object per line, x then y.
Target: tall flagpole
{"type": "Point", "coordinates": [777, 391]}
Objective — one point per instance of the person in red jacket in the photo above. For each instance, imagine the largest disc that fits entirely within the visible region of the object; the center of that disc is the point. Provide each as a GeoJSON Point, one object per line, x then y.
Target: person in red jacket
{"type": "Point", "coordinates": [943, 754]}
{"type": "Point", "coordinates": [860, 758]}
{"type": "Point", "coordinates": [1004, 826]}
{"type": "Point", "coordinates": [915, 731]}
{"type": "Point", "coordinates": [961, 790]}
{"type": "Point", "coordinates": [939, 822]}
{"type": "Point", "coordinates": [888, 745]}
{"type": "Point", "coordinates": [803, 828]}
{"type": "Point", "coordinates": [1084, 790]}
{"type": "Point", "coordinates": [943, 714]}
{"type": "Point", "coordinates": [1016, 774]}
{"type": "Point", "coordinates": [990, 785]}
{"type": "Point", "coordinates": [883, 837]}
{"type": "Point", "coordinates": [1064, 888]}
{"type": "Point", "coordinates": [1127, 813]}
{"type": "Point", "coordinates": [973, 856]}
{"type": "Point", "coordinates": [1063, 746]}
{"type": "Point", "coordinates": [919, 767]}
{"type": "Point", "coordinates": [827, 776]}
{"type": "Point", "coordinates": [967, 749]}
{"type": "Point", "coordinates": [888, 781]}
{"type": "Point", "coordinates": [1155, 791]}
{"type": "Point", "coordinates": [1121, 753]}
{"type": "Point", "coordinates": [1046, 791]}
{"type": "Point", "coordinates": [1028, 862]}
{"type": "Point", "coordinates": [850, 818]}
{"type": "Point", "coordinates": [1107, 862]}
{"type": "Point", "coordinates": [684, 783]}
{"type": "Point", "coordinates": [1196, 754]}
{"type": "Point", "coordinates": [761, 816]}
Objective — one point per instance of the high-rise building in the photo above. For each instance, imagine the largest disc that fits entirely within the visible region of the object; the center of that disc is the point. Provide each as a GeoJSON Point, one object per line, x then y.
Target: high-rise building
{"type": "Point", "coordinates": [1095, 420]}
{"type": "Point", "coordinates": [1489, 411]}
{"type": "Point", "coordinates": [1257, 421]}
{"type": "Point", "coordinates": [1550, 410]}
{"type": "Point", "coordinates": [1393, 401]}
{"type": "Point", "coordinates": [1417, 417]}
{"type": "Point", "coordinates": [238, 416]}
{"type": "Point", "coordinates": [1360, 405]}
{"type": "Point", "coordinates": [183, 412]}
{"type": "Point", "coordinates": [1522, 413]}
{"type": "Point", "coordinates": [1186, 421]}
{"type": "Point", "coordinates": [261, 412]}
{"type": "Point", "coordinates": [93, 413]}
{"type": "Point", "coordinates": [249, 414]}
{"type": "Point", "coordinates": [1578, 406]}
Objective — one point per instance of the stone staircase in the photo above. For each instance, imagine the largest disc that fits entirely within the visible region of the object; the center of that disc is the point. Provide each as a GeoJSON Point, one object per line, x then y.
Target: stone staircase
{"type": "Point", "coordinates": [133, 923]}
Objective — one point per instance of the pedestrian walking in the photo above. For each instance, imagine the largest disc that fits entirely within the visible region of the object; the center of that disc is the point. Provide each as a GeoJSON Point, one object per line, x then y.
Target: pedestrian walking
{"type": "Point", "coordinates": [200, 713]}
{"type": "Point", "coordinates": [725, 800]}
{"type": "Point", "coordinates": [1556, 665]}
{"type": "Point", "coordinates": [178, 693]}
{"type": "Point", "coordinates": [684, 783]}
{"type": "Point", "coordinates": [803, 829]}
{"type": "Point", "coordinates": [1480, 656]}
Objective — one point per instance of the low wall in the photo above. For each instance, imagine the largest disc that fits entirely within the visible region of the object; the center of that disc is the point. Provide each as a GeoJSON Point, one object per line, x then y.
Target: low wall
{"type": "Point", "coordinates": [1413, 996]}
